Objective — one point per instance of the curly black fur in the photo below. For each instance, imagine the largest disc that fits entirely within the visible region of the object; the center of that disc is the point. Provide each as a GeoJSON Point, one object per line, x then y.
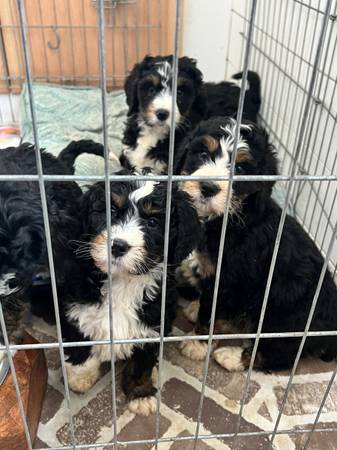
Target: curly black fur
{"type": "Point", "coordinates": [23, 251]}
{"type": "Point", "coordinates": [249, 243]}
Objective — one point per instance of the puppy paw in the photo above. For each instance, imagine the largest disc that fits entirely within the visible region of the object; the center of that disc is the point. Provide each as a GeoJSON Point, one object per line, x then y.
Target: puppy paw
{"type": "Point", "coordinates": [82, 377]}
{"type": "Point", "coordinates": [143, 406]}
{"type": "Point", "coordinates": [195, 350]}
{"type": "Point", "coordinates": [191, 311]}
{"type": "Point", "coordinates": [230, 358]}
{"type": "Point", "coordinates": [113, 157]}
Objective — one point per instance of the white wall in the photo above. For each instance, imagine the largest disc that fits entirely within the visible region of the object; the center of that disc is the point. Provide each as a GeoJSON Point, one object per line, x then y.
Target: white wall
{"type": "Point", "coordinates": [206, 28]}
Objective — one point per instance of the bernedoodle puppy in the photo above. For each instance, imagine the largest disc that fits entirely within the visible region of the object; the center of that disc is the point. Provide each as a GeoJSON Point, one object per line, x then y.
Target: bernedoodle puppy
{"type": "Point", "coordinates": [251, 232]}
{"type": "Point", "coordinates": [149, 97]}
{"type": "Point", "coordinates": [23, 251]}
{"type": "Point", "coordinates": [137, 240]}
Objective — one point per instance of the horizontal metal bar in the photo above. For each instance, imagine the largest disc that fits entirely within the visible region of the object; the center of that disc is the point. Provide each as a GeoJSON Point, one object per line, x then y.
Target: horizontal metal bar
{"type": "Point", "coordinates": [165, 178]}
{"type": "Point", "coordinates": [78, 27]}
{"type": "Point", "coordinates": [190, 438]}
{"type": "Point", "coordinates": [63, 77]}
{"type": "Point", "coordinates": [203, 337]}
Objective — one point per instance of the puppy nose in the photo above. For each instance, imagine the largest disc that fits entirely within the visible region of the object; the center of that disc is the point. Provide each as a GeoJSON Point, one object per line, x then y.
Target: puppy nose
{"type": "Point", "coordinates": [209, 189]}
{"type": "Point", "coordinates": [119, 247]}
{"type": "Point", "coordinates": [162, 114]}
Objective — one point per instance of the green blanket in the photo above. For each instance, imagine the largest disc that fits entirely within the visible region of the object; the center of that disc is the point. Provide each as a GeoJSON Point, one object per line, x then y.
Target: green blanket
{"type": "Point", "coordinates": [66, 113]}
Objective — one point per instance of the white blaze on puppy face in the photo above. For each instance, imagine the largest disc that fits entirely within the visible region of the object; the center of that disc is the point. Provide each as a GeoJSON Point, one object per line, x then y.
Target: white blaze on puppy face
{"type": "Point", "coordinates": [215, 205]}
{"type": "Point", "coordinates": [129, 230]}
{"type": "Point", "coordinates": [163, 100]}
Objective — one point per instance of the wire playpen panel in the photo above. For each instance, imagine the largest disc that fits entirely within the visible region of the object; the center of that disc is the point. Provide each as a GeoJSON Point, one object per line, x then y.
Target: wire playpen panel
{"type": "Point", "coordinates": [291, 44]}
{"type": "Point", "coordinates": [285, 44]}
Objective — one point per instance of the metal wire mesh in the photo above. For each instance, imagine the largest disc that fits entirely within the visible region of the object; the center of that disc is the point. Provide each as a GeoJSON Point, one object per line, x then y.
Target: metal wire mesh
{"type": "Point", "coordinates": [292, 45]}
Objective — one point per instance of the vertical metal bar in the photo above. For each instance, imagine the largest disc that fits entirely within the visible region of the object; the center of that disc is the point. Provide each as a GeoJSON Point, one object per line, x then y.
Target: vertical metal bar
{"type": "Point", "coordinates": [294, 97]}
{"type": "Point", "coordinates": [168, 212]}
{"type": "Point", "coordinates": [45, 211]}
{"type": "Point", "coordinates": [125, 39]}
{"type": "Point", "coordinates": [136, 19]}
{"type": "Point", "coordinates": [298, 188]}
{"type": "Point", "coordinates": [73, 77]}
{"type": "Point", "coordinates": [148, 17]}
{"type": "Point", "coordinates": [275, 79]}
{"type": "Point", "coordinates": [242, 54]}
{"type": "Point", "coordinates": [113, 37]}
{"type": "Point", "coordinates": [318, 415]}
{"type": "Point", "coordinates": [292, 16]}
{"type": "Point", "coordinates": [108, 208]}
{"type": "Point", "coordinates": [15, 380]}
{"type": "Point", "coordinates": [225, 218]}
{"type": "Point", "coordinates": [287, 142]}
{"type": "Point", "coordinates": [270, 74]}
{"type": "Point", "coordinates": [307, 326]}
{"type": "Point", "coordinates": [285, 206]}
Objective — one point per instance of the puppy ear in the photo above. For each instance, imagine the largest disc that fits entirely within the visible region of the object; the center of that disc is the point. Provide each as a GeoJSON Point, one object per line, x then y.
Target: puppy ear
{"type": "Point", "coordinates": [131, 84]}
{"type": "Point", "coordinates": [266, 164]}
{"type": "Point", "coordinates": [130, 88]}
{"type": "Point", "coordinates": [186, 232]}
{"type": "Point", "coordinates": [198, 110]}
{"type": "Point", "coordinates": [89, 202]}
{"type": "Point", "coordinates": [182, 151]}
{"type": "Point", "coordinates": [189, 66]}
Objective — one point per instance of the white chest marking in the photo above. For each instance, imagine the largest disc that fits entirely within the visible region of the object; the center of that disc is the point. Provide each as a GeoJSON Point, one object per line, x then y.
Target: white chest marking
{"type": "Point", "coordinates": [148, 138]}
{"type": "Point", "coordinates": [127, 298]}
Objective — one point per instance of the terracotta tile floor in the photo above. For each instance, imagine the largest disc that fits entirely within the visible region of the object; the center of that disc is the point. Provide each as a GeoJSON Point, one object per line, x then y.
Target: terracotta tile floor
{"type": "Point", "coordinates": [181, 391]}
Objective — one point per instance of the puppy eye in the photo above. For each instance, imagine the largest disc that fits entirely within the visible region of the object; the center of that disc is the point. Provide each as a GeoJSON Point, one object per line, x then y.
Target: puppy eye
{"type": "Point", "coordinates": [152, 222]}
{"type": "Point", "coordinates": [204, 156]}
{"type": "Point", "coordinates": [151, 90]}
{"type": "Point", "coordinates": [239, 170]}
{"type": "Point", "coordinates": [180, 93]}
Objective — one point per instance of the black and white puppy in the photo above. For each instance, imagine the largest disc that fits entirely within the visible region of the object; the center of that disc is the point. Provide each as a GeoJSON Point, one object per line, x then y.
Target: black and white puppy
{"type": "Point", "coordinates": [23, 252]}
{"type": "Point", "coordinates": [149, 96]}
{"type": "Point", "coordinates": [137, 233]}
{"type": "Point", "coordinates": [250, 238]}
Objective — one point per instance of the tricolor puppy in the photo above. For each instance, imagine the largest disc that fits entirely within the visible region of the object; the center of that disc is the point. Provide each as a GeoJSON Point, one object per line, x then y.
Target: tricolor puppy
{"type": "Point", "coordinates": [149, 96]}
{"type": "Point", "coordinates": [137, 239]}
{"type": "Point", "coordinates": [250, 237]}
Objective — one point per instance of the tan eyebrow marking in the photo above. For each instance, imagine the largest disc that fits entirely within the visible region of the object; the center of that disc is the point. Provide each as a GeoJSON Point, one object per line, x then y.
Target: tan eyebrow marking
{"type": "Point", "coordinates": [211, 143]}
{"type": "Point", "coordinates": [119, 200]}
{"type": "Point", "coordinates": [243, 155]}
{"type": "Point", "coordinates": [154, 78]}
{"type": "Point", "coordinates": [149, 208]}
